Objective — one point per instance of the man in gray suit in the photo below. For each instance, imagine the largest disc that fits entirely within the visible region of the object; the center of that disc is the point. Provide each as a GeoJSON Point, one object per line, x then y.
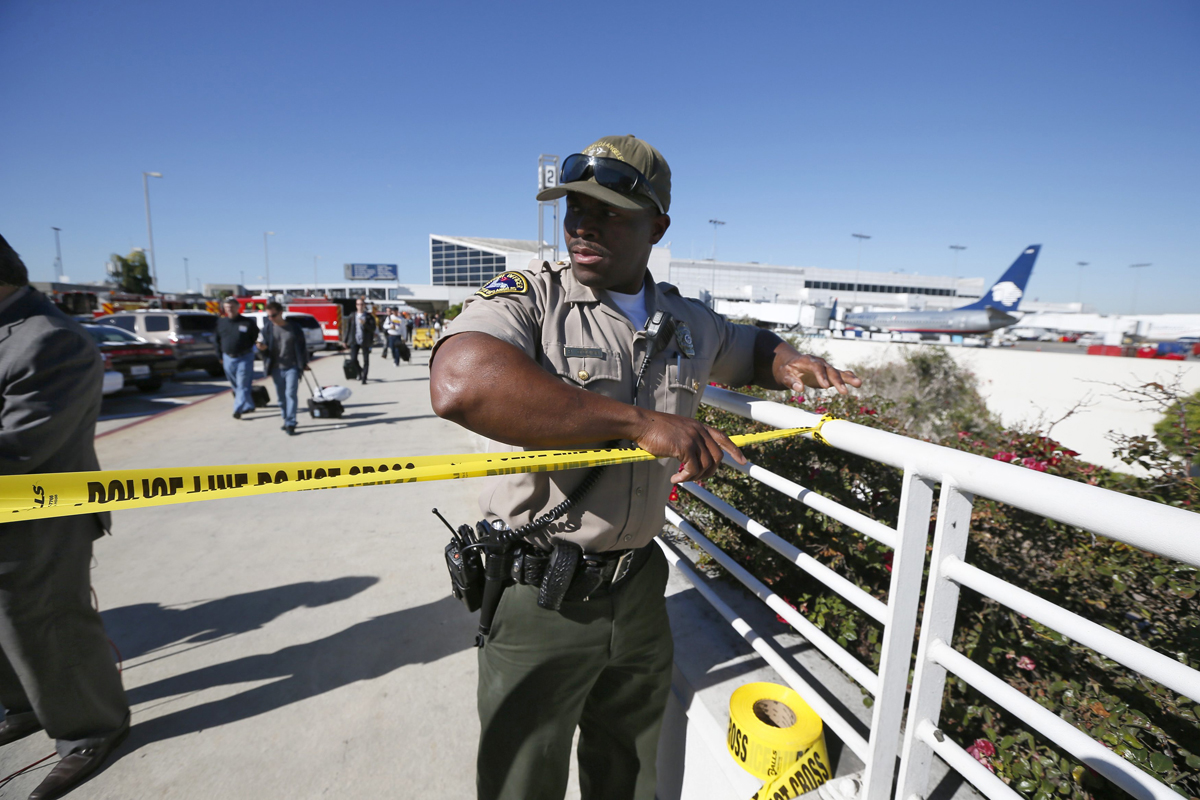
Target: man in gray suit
{"type": "Point", "coordinates": [56, 667]}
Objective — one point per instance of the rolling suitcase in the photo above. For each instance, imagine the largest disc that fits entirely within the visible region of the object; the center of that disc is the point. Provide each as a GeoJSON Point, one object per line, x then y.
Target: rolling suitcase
{"type": "Point", "coordinates": [318, 406]}
{"type": "Point", "coordinates": [402, 348]}
{"type": "Point", "coordinates": [351, 369]}
{"type": "Point", "coordinates": [259, 395]}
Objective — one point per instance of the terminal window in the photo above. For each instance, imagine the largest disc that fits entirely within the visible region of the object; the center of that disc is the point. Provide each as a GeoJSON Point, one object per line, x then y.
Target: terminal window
{"type": "Point", "coordinates": [870, 287]}
{"type": "Point", "coordinates": [456, 265]}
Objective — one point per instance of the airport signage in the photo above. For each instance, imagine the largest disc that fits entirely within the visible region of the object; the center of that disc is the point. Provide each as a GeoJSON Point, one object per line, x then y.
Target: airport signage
{"type": "Point", "coordinates": [372, 272]}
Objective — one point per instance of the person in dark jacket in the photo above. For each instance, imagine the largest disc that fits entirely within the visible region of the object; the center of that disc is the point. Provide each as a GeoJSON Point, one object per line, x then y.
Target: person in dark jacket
{"type": "Point", "coordinates": [285, 356]}
{"type": "Point", "coordinates": [56, 668]}
{"type": "Point", "coordinates": [236, 335]}
{"type": "Point", "coordinates": [358, 333]}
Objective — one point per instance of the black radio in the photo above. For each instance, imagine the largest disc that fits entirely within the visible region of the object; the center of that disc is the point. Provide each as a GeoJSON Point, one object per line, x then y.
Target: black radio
{"type": "Point", "coordinates": [464, 563]}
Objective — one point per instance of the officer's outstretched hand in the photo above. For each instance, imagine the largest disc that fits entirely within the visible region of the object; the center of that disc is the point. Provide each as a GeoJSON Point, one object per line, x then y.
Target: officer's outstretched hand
{"type": "Point", "coordinates": [697, 446]}
{"type": "Point", "coordinates": [816, 373]}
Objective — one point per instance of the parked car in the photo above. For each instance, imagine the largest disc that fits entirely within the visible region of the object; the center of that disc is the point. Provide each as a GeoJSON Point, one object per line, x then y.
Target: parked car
{"type": "Point", "coordinates": [114, 381]}
{"type": "Point", "coordinates": [191, 335]}
{"type": "Point", "coordinates": [142, 363]}
{"type": "Point", "coordinates": [314, 337]}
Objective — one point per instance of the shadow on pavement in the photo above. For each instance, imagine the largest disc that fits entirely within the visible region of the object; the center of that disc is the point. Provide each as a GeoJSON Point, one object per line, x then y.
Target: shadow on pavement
{"type": "Point", "coordinates": [365, 651]}
{"type": "Point", "coordinates": [146, 627]}
{"type": "Point", "coordinates": [399, 380]}
{"type": "Point", "coordinates": [333, 426]}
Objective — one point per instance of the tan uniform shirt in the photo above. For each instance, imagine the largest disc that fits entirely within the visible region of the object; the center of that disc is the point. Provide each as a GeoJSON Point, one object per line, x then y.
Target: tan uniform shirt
{"type": "Point", "coordinates": [580, 335]}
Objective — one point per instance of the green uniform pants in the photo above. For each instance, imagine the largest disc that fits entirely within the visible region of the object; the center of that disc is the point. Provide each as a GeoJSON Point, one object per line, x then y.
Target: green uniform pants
{"type": "Point", "coordinates": [603, 665]}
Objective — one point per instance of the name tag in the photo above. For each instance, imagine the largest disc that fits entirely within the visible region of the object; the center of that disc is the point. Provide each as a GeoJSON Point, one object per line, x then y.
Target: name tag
{"type": "Point", "coordinates": [585, 352]}
{"type": "Point", "coordinates": [243, 328]}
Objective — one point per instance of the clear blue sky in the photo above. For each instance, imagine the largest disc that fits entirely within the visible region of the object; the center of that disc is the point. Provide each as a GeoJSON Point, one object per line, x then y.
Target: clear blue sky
{"type": "Point", "coordinates": [354, 131]}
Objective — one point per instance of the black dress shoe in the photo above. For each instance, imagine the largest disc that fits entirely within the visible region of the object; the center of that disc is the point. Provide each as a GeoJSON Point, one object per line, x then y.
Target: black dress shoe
{"type": "Point", "coordinates": [77, 767]}
{"type": "Point", "coordinates": [11, 730]}
{"type": "Point", "coordinates": [291, 430]}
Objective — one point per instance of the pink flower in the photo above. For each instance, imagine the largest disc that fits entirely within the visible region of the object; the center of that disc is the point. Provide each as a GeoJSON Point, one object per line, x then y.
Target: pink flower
{"type": "Point", "coordinates": [963, 434]}
{"type": "Point", "coordinates": [981, 751]}
{"type": "Point", "coordinates": [780, 616]}
{"type": "Point", "coordinates": [1029, 461]}
{"type": "Point", "coordinates": [1040, 466]}
{"type": "Point", "coordinates": [820, 409]}
{"type": "Point", "coordinates": [674, 498]}
{"type": "Point", "coordinates": [887, 560]}
{"type": "Point", "coordinates": [1026, 663]}
{"type": "Point", "coordinates": [870, 412]}
{"type": "Point", "coordinates": [982, 747]}
{"type": "Point", "coordinates": [798, 399]}
{"type": "Point", "coordinates": [1004, 456]}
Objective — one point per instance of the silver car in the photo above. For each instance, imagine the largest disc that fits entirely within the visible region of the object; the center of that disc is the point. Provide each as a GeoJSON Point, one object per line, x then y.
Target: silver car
{"type": "Point", "coordinates": [191, 334]}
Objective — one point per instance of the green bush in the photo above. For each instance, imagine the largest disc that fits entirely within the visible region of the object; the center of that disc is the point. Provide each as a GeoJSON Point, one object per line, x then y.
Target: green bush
{"type": "Point", "coordinates": [1141, 595]}
{"type": "Point", "coordinates": [1179, 430]}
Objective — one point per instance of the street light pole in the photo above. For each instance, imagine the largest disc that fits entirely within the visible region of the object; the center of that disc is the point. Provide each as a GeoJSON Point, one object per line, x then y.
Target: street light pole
{"type": "Point", "coordinates": [186, 281]}
{"type": "Point", "coordinates": [858, 266]}
{"type": "Point", "coordinates": [58, 267]}
{"type": "Point", "coordinates": [149, 228]}
{"type": "Point", "coordinates": [1135, 283]}
{"type": "Point", "coordinates": [716, 223]}
{"type": "Point", "coordinates": [1079, 287]}
{"type": "Point", "coordinates": [956, 248]}
{"type": "Point", "coordinates": [267, 258]}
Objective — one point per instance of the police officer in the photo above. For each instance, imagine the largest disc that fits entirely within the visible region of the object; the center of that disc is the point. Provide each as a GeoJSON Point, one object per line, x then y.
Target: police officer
{"type": "Point", "coordinates": [550, 357]}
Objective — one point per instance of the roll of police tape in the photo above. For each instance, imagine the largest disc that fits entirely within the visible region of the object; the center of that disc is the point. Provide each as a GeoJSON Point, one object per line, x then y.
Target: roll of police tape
{"type": "Point", "coordinates": [776, 737]}
{"type": "Point", "coordinates": [64, 494]}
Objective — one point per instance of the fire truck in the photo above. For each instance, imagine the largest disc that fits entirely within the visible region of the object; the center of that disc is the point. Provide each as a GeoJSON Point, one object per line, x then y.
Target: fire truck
{"type": "Point", "coordinates": [328, 312]}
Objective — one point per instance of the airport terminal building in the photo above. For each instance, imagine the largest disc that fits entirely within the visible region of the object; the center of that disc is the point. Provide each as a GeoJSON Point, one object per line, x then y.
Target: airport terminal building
{"type": "Point", "coordinates": [458, 265]}
{"type": "Point", "coordinates": [472, 261]}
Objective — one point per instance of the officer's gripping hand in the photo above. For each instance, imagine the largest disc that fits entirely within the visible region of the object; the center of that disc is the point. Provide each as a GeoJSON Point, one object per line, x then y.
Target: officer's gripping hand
{"type": "Point", "coordinates": [697, 446]}
{"type": "Point", "coordinates": [816, 373]}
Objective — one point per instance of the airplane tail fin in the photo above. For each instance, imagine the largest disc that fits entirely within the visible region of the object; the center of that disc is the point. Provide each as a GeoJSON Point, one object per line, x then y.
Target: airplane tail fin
{"type": "Point", "coordinates": [833, 315]}
{"type": "Point", "coordinates": [1006, 293]}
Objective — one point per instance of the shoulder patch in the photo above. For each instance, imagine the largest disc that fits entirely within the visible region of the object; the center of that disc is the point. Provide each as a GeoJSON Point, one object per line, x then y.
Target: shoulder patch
{"type": "Point", "coordinates": [505, 283]}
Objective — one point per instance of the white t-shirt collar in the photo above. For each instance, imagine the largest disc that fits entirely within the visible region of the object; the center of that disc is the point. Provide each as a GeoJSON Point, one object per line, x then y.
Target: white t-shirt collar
{"type": "Point", "coordinates": [633, 306]}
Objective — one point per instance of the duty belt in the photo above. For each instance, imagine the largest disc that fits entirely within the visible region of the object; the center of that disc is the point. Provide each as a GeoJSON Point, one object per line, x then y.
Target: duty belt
{"type": "Point", "coordinates": [596, 575]}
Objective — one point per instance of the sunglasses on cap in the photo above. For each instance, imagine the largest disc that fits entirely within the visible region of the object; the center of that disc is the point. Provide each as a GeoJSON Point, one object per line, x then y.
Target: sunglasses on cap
{"type": "Point", "coordinates": [609, 173]}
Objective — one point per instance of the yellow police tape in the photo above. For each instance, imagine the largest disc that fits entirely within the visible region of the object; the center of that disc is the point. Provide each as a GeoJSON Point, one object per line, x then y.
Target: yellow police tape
{"type": "Point", "coordinates": [775, 736]}
{"type": "Point", "coordinates": [67, 494]}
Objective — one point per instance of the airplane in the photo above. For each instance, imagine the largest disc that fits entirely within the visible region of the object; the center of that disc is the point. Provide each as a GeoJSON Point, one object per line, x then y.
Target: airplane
{"type": "Point", "coordinates": [986, 314]}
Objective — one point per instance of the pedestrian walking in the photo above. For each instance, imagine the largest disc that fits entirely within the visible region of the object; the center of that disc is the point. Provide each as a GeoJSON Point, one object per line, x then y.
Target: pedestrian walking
{"type": "Point", "coordinates": [393, 328]}
{"type": "Point", "coordinates": [56, 668]}
{"type": "Point", "coordinates": [285, 356]}
{"type": "Point", "coordinates": [358, 332]}
{"type": "Point", "coordinates": [236, 335]}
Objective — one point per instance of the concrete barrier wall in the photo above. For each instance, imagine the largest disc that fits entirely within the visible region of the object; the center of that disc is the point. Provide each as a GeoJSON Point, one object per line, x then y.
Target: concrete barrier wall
{"type": "Point", "coordinates": [1037, 388]}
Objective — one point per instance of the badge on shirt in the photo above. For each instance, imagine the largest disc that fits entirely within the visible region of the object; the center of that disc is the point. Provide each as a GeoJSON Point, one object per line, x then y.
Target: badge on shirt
{"type": "Point", "coordinates": [243, 328]}
{"type": "Point", "coordinates": [683, 337]}
{"type": "Point", "coordinates": [505, 283]}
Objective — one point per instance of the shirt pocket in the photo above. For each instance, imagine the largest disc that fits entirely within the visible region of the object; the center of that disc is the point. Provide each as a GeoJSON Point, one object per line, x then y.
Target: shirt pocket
{"type": "Point", "coordinates": [686, 379]}
{"type": "Point", "coordinates": [592, 368]}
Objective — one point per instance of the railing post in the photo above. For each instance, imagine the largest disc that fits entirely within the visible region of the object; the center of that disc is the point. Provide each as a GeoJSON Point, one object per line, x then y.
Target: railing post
{"type": "Point", "coordinates": [937, 625]}
{"type": "Point", "coordinates": [908, 562]}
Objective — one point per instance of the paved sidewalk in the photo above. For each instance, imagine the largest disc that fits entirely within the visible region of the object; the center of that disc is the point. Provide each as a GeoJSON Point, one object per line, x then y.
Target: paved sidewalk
{"type": "Point", "coordinates": [297, 645]}
{"type": "Point", "coordinates": [305, 645]}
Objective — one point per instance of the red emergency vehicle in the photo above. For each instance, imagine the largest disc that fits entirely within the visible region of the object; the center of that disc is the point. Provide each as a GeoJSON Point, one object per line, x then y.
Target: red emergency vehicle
{"type": "Point", "coordinates": [327, 312]}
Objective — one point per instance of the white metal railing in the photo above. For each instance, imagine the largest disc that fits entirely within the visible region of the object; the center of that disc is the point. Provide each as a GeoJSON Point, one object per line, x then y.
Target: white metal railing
{"type": "Point", "coordinates": [1168, 531]}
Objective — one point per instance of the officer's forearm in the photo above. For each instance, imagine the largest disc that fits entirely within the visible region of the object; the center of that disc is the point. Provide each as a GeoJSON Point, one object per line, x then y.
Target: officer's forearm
{"type": "Point", "coordinates": [770, 354]}
{"type": "Point", "coordinates": [496, 390]}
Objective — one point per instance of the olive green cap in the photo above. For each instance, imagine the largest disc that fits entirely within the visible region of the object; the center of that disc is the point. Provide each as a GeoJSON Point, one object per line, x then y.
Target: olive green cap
{"type": "Point", "coordinates": [634, 152]}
